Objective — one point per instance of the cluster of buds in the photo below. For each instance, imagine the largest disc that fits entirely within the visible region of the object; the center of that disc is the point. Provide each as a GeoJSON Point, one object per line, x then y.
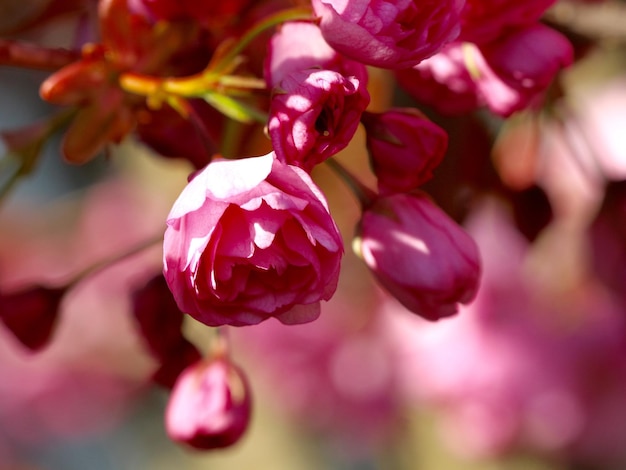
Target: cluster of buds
{"type": "Point", "coordinates": [252, 237]}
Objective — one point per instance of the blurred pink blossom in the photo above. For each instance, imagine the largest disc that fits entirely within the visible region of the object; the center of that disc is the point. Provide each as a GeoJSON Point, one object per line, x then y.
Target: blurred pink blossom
{"type": "Point", "coordinates": [85, 380]}
{"type": "Point", "coordinates": [522, 369]}
{"type": "Point", "coordinates": [335, 376]}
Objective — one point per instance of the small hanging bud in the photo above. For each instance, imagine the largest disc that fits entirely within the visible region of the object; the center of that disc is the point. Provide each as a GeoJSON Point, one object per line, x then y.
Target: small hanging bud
{"type": "Point", "coordinates": [209, 406]}
{"type": "Point", "coordinates": [31, 314]}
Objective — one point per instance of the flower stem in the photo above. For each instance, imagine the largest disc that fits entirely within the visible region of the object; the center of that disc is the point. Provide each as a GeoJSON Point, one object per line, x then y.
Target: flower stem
{"type": "Point", "coordinates": [106, 263]}
{"type": "Point", "coordinates": [32, 56]}
{"type": "Point", "coordinates": [364, 195]}
{"type": "Point", "coordinates": [292, 14]}
{"type": "Point", "coordinates": [216, 77]}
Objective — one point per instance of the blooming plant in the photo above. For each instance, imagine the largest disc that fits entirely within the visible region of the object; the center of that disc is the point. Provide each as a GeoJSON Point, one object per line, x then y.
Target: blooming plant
{"type": "Point", "coordinates": [259, 101]}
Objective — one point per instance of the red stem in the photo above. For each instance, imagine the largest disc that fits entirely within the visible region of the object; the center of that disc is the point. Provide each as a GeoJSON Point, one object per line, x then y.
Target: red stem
{"type": "Point", "coordinates": [32, 56]}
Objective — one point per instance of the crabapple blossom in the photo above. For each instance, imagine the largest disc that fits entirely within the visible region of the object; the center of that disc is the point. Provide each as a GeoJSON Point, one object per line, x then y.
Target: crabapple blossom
{"type": "Point", "coordinates": [337, 375]}
{"type": "Point", "coordinates": [520, 66]}
{"type": "Point", "coordinates": [404, 147]}
{"type": "Point", "coordinates": [314, 115]}
{"type": "Point", "coordinates": [389, 34]}
{"type": "Point", "coordinates": [209, 406]}
{"type": "Point", "coordinates": [419, 254]}
{"type": "Point", "coordinates": [535, 361]}
{"type": "Point", "coordinates": [251, 239]}
{"type": "Point", "coordinates": [507, 75]}
{"type": "Point", "coordinates": [551, 374]}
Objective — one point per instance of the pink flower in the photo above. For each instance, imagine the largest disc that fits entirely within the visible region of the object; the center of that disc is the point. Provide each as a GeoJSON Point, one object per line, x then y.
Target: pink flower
{"type": "Point", "coordinates": [551, 368]}
{"type": "Point", "coordinates": [420, 255]}
{"type": "Point", "coordinates": [31, 314]}
{"type": "Point", "coordinates": [517, 68]}
{"type": "Point", "coordinates": [404, 147]}
{"type": "Point", "coordinates": [251, 239]}
{"type": "Point", "coordinates": [298, 46]}
{"type": "Point", "coordinates": [389, 34]}
{"type": "Point", "coordinates": [209, 406]}
{"type": "Point", "coordinates": [314, 115]}
{"type": "Point", "coordinates": [484, 21]}
{"type": "Point", "coordinates": [442, 81]}
{"type": "Point", "coordinates": [507, 75]}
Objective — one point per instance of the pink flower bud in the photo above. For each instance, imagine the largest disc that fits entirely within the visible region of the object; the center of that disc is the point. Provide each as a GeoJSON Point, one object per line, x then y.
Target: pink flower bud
{"type": "Point", "coordinates": [209, 406]}
{"type": "Point", "coordinates": [298, 46]}
{"type": "Point", "coordinates": [389, 34]}
{"type": "Point", "coordinates": [520, 66]}
{"type": "Point", "coordinates": [314, 115]}
{"type": "Point", "coordinates": [442, 82]}
{"type": "Point", "coordinates": [507, 75]}
{"type": "Point", "coordinates": [160, 322]}
{"type": "Point", "coordinates": [404, 147]}
{"type": "Point", "coordinates": [251, 239]}
{"type": "Point", "coordinates": [31, 314]}
{"type": "Point", "coordinates": [419, 254]}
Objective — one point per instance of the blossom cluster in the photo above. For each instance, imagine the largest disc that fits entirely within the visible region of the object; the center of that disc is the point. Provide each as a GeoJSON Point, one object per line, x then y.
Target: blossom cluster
{"type": "Point", "coordinates": [252, 238]}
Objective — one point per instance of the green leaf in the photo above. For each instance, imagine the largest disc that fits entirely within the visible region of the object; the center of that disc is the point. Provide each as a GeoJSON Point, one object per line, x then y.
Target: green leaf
{"type": "Point", "coordinates": [234, 109]}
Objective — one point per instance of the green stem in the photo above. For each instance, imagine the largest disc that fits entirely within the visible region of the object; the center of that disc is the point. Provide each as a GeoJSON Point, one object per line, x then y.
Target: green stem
{"type": "Point", "coordinates": [292, 14]}
{"type": "Point", "coordinates": [364, 195]}
{"type": "Point", "coordinates": [216, 77]}
{"type": "Point", "coordinates": [6, 188]}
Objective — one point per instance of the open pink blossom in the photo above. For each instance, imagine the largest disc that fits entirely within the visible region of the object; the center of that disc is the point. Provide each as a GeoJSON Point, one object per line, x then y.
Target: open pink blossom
{"type": "Point", "coordinates": [404, 147]}
{"type": "Point", "coordinates": [209, 406]}
{"type": "Point", "coordinates": [419, 254]}
{"type": "Point", "coordinates": [314, 115]}
{"type": "Point", "coordinates": [389, 34]}
{"type": "Point", "coordinates": [251, 239]}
